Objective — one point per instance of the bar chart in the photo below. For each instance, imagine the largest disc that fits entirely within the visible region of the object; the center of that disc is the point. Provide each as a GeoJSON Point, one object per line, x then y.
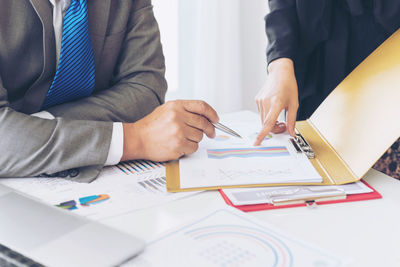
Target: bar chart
{"type": "Point", "coordinates": [139, 166]}
{"type": "Point", "coordinates": [156, 184]}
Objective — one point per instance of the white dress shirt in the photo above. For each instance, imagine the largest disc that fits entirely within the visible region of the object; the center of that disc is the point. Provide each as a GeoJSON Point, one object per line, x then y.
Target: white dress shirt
{"type": "Point", "coordinates": [117, 139]}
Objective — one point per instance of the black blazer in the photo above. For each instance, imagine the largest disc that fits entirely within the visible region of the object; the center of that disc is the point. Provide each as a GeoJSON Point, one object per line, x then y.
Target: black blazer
{"type": "Point", "coordinates": [327, 39]}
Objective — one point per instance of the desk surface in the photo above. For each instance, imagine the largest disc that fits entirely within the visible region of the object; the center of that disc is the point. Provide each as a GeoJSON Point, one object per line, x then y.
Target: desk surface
{"type": "Point", "coordinates": [368, 232]}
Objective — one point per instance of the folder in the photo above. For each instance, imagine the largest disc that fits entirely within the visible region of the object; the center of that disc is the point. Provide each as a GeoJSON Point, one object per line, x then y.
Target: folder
{"type": "Point", "coordinates": [352, 128]}
{"type": "Point", "coordinates": [267, 206]}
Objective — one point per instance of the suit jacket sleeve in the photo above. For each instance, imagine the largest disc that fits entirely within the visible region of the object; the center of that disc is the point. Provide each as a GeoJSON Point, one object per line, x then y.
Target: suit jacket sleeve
{"type": "Point", "coordinates": [138, 84]}
{"type": "Point", "coordinates": [282, 29]}
{"type": "Point", "coordinates": [33, 146]}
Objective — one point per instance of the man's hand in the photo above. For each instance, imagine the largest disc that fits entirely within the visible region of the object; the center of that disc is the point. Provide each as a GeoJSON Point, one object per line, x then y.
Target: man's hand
{"type": "Point", "coordinates": [278, 93]}
{"type": "Point", "coordinates": [170, 131]}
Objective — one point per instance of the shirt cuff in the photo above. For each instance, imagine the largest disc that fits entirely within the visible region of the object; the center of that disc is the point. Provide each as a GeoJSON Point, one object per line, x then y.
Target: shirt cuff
{"type": "Point", "coordinates": [43, 115]}
{"type": "Point", "coordinates": [117, 145]}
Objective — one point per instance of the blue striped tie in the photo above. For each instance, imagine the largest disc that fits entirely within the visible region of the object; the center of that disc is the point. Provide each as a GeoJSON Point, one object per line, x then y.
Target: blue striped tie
{"type": "Point", "coordinates": [75, 76]}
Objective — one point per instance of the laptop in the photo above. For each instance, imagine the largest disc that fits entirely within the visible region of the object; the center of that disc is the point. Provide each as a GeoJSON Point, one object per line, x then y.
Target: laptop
{"type": "Point", "coordinates": [55, 237]}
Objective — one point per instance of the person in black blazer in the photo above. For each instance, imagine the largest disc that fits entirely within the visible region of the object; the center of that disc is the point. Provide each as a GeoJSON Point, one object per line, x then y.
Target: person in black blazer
{"type": "Point", "coordinates": [313, 46]}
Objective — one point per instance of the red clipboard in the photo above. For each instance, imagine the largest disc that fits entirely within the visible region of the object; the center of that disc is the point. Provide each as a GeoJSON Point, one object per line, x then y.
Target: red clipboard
{"type": "Point", "coordinates": [267, 206]}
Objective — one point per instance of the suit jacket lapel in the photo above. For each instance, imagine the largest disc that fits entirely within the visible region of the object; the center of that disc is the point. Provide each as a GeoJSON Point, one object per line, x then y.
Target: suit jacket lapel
{"type": "Point", "coordinates": [98, 21]}
{"type": "Point", "coordinates": [36, 94]}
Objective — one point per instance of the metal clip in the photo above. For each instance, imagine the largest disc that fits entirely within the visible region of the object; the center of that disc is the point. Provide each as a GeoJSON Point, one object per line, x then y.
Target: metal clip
{"type": "Point", "coordinates": [301, 145]}
{"type": "Point", "coordinates": [306, 195]}
{"type": "Point", "coordinates": [312, 204]}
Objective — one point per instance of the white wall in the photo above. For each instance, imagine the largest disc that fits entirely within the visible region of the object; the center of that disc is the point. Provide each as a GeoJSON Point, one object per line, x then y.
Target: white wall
{"type": "Point", "coordinates": [215, 50]}
{"type": "Point", "coordinates": [254, 44]}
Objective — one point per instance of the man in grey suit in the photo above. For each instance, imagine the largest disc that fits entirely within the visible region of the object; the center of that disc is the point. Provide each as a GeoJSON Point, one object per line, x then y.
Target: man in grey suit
{"type": "Point", "coordinates": [121, 117]}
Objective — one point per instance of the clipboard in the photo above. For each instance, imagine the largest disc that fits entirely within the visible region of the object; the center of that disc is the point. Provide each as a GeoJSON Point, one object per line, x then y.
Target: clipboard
{"type": "Point", "coordinates": [352, 128]}
{"type": "Point", "coordinates": [267, 206]}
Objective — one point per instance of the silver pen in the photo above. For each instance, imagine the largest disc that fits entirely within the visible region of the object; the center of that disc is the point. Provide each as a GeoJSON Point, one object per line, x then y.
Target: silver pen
{"type": "Point", "coordinates": [225, 129]}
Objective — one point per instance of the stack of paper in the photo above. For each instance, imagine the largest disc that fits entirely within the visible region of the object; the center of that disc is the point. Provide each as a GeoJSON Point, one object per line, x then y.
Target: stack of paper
{"type": "Point", "coordinates": [227, 160]}
{"type": "Point", "coordinates": [228, 237]}
{"type": "Point", "coordinates": [119, 189]}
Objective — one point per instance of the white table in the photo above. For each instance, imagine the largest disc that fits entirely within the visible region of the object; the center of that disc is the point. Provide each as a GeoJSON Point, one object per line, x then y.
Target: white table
{"type": "Point", "coordinates": [366, 231]}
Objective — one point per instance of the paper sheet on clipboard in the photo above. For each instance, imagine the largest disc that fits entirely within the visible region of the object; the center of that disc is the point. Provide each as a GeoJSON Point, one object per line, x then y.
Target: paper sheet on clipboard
{"type": "Point", "coordinates": [227, 160]}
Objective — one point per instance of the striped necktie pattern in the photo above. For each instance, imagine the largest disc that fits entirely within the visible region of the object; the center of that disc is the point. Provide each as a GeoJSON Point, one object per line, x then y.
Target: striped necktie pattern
{"type": "Point", "coordinates": [75, 75]}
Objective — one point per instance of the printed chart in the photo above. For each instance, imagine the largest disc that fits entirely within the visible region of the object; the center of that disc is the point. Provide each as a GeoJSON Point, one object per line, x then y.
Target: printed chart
{"type": "Point", "coordinates": [235, 161]}
{"type": "Point", "coordinates": [113, 193]}
{"type": "Point", "coordinates": [84, 201]}
{"type": "Point", "coordinates": [92, 200]}
{"type": "Point", "coordinates": [247, 138]}
{"type": "Point", "coordinates": [221, 137]}
{"type": "Point", "coordinates": [68, 205]}
{"type": "Point", "coordinates": [254, 136]}
{"type": "Point", "coordinates": [273, 151]}
{"type": "Point", "coordinates": [230, 238]}
{"type": "Point", "coordinates": [254, 174]}
{"type": "Point", "coordinates": [240, 245]}
{"type": "Point", "coordinates": [154, 184]}
{"type": "Point", "coordinates": [139, 166]}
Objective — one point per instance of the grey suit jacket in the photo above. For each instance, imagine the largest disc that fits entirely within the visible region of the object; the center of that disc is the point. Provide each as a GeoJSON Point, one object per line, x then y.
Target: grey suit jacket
{"type": "Point", "coordinates": [129, 84]}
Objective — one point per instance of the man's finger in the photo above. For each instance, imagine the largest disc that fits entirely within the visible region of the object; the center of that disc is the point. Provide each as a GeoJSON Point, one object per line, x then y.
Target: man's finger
{"type": "Point", "coordinates": [268, 125]}
{"type": "Point", "coordinates": [193, 134]}
{"type": "Point", "coordinates": [189, 147]}
{"type": "Point", "coordinates": [201, 108]}
{"type": "Point", "coordinates": [201, 123]}
{"type": "Point", "coordinates": [291, 119]}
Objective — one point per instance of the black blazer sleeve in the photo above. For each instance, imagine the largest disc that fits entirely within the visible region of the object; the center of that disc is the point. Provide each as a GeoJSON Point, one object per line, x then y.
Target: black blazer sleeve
{"type": "Point", "coordinates": [282, 29]}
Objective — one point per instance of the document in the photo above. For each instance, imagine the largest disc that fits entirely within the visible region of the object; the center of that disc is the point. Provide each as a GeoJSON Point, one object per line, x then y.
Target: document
{"type": "Point", "coordinates": [262, 195]}
{"type": "Point", "coordinates": [227, 237]}
{"type": "Point", "coordinates": [119, 189]}
{"type": "Point", "coordinates": [227, 160]}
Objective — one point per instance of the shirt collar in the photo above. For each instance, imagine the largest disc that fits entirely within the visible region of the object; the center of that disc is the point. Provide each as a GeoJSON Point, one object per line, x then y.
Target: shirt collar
{"type": "Point", "coordinates": [64, 3]}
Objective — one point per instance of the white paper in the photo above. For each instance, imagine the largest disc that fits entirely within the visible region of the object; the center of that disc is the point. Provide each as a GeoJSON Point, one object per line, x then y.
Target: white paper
{"type": "Point", "coordinates": [261, 195]}
{"type": "Point", "coordinates": [228, 160]}
{"type": "Point", "coordinates": [228, 237]}
{"type": "Point", "coordinates": [127, 190]}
